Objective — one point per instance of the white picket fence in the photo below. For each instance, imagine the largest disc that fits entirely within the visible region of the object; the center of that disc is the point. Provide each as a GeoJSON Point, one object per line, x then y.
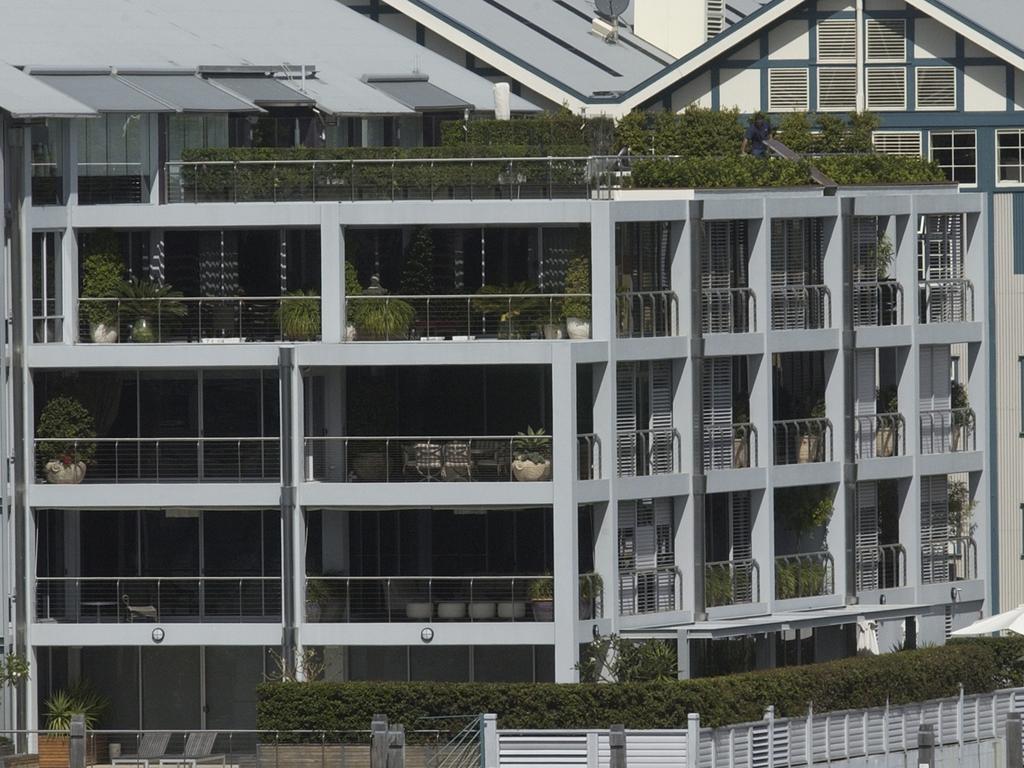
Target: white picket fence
{"type": "Point", "coordinates": [773, 742]}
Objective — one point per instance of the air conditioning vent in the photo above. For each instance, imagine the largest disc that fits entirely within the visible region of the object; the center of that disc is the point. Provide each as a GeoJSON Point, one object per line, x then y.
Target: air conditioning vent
{"type": "Point", "coordinates": [837, 90]}
{"type": "Point", "coordinates": [897, 142]}
{"type": "Point", "coordinates": [787, 90]}
{"type": "Point", "coordinates": [837, 41]}
{"type": "Point", "coordinates": [715, 17]}
{"type": "Point", "coordinates": [886, 40]}
{"type": "Point", "coordinates": [887, 88]}
{"type": "Point", "coordinates": [936, 87]}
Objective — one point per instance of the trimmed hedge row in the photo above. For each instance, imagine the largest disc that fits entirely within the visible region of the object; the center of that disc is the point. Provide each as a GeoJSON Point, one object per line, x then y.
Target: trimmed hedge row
{"type": "Point", "coordinates": [543, 133]}
{"type": "Point", "coordinates": [931, 673]}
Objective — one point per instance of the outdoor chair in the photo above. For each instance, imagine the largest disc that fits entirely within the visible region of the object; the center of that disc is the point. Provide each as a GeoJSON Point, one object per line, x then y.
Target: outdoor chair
{"type": "Point", "coordinates": [425, 459]}
{"type": "Point", "coordinates": [147, 612]}
{"type": "Point", "coordinates": [491, 458]}
{"type": "Point", "coordinates": [458, 461]}
{"type": "Point", "coordinates": [198, 749]}
{"type": "Point", "coordinates": [151, 749]}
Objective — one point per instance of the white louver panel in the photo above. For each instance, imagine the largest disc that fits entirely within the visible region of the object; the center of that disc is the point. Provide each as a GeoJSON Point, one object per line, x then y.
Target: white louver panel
{"type": "Point", "coordinates": [887, 88]}
{"type": "Point", "coordinates": [934, 529]}
{"type": "Point", "coordinates": [787, 90]}
{"type": "Point", "coordinates": [661, 444]}
{"type": "Point", "coordinates": [864, 401]}
{"type": "Point", "coordinates": [715, 18]}
{"type": "Point", "coordinates": [740, 525]}
{"type": "Point", "coordinates": [837, 90]}
{"type": "Point", "coordinates": [627, 556]}
{"type": "Point", "coordinates": [625, 419]}
{"type": "Point", "coordinates": [897, 143]}
{"type": "Point", "coordinates": [935, 87]}
{"type": "Point", "coordinates": [646, 555]}
{"type": "Point", "coordinates": [936, 421]}
{"type": "Point", "coordinates": [867, 536]}
{"type": "Point", "coordinates": [716, 394]}
{"type": "Point", "coordinates": [837, 41]}
{"type": "Point", "coordinates": [886, 40]}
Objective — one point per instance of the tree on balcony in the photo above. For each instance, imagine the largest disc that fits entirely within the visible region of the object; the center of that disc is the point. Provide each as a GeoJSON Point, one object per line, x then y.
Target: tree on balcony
{"type": "Point", "coordinates": [418, 269]}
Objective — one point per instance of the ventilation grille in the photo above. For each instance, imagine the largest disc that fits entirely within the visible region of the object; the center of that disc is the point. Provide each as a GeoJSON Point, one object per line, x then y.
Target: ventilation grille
{"type": "Point", "coordinates": [887, 88]}
{"type": "Point", "coordinates": [897, 142]}
{"type": "Point", "coordinates": [715, 17]}
{"type": "Point", "coordinates": [886, 40]}
{"type": "Point", "coordinates": [936, 87]}
{"type": "Point", "coordinates": [837, 41]}
{"type": "Point", "coordinates": [787, 90]}
{"type": "Point", "coordinates": [837, 90]}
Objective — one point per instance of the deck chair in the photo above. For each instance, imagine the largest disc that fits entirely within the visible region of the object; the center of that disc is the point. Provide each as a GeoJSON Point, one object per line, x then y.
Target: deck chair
{"type": "Point", "coordinates": [198, 749]}
{"type": "Point", "coordinates": [147, 612]}
{"type": "Point", "coordinates": [458, 461]}
{"type": "Point", "coordinates": [425, 459]}
{"type": "Point", "coordinates": [151, 749]}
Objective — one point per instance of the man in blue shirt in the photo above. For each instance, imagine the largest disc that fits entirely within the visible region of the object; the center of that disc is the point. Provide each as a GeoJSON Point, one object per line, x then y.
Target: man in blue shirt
{"type": "Point", "coordinates": [757, 133]}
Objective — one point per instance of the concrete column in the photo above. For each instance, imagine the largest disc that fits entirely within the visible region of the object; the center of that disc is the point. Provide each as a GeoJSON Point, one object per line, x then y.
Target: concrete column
{"type": "Point", "coordinates": [565, 523]}
{"type": "Point", "coordinates": [155, 170]}
{"type": "Point", "coordinates": [67, 288]}
{"type": "Point", "coordinates": [603, 311]}
{"type": "Point", "coordinates": [332, 275]}
{"type": "Point", "coordinates": [76, 746]}
{"type": "Point", "coordinates": [70, 170]}
{"type": "Point", "coordinates": [759, 270]}
{"type": "Point", "coordinates": [685, 267]}
{"type": "Point", "coordinates": [606, 560]}
{"type": "Point", "coordinates": [762, 540]}
{"type": "Point", "coordinates": [489, 741]}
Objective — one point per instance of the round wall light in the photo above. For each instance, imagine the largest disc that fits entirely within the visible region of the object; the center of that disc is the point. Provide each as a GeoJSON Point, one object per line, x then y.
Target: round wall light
{"type": "Point", "coordinates": [426, 634]}
{"type": "Point", "coordinates": [157, 635]}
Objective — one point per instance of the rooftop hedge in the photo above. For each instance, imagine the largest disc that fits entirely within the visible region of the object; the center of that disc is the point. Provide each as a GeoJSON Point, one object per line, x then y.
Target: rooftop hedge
{"type": "Point", "coordinates": [855, 683]}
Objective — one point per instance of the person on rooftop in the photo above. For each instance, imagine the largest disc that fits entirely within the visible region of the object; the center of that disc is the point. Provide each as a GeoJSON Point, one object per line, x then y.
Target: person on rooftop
{"type": "Point", "coordinates": [759, 131]}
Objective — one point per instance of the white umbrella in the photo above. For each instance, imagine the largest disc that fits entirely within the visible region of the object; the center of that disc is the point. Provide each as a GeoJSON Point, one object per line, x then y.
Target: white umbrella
{"type": "Point", "coordinates": [1008, 621]}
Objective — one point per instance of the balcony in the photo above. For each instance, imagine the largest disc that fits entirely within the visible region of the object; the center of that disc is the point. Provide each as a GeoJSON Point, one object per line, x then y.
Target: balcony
{"type": "Point", "coordinates": [878, 303]}
{"type": "Point", "coordinates": [801, 307]}
{"type": "Point", "coordinates": [732, 582]}
{"type": "Point", "coordinates": [730, 447]}
{"type": "Point", "coordinates": [810, 574]}
{"type": "Point", "coordinates": [948, 431]}
{"type": "Point", "coordinates": [129, 599]}
{"type": "Point", "coordinates": [879, 436]}
{"type": "Point", "coordinates": [648, 314]}
{"type": "Point", "coordinates": [947, 301]}
{"type": "Point", "coordinates": [387, 599]}
{"type": "Point", "coordinates": [953, 559]}
{"type": "Point", "coordinates": [650, 590]}
{"type": "Point", "coordinates": [648, 452]}
{"type": "Point", "coordinates": [729, 310]}
{"type": "Point", "coordinates": [803, 441]}
{"type": "Point", "coordinates": [884, 567]}
{"type": "Point", "coordinates": [112, 183]}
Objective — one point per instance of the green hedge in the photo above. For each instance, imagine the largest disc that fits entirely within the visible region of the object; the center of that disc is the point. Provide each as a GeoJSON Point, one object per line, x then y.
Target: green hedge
{"type": "Point", "coordinates": [931, 673]}
{"type": "Point", "coordinates": [735, 171]}
{"type": "Point", "coordinates": [879, 169]}
{"type": "Point", "coordinates": [545, 134]}
{"type": "Point", "coordinates": [694, 132]}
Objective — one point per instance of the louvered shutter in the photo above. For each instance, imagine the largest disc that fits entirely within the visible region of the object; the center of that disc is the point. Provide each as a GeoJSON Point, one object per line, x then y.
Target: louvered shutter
{"type": "Point", "coordinates": [897, 143]}
{"type": "Point", "coordinates": [864, 242]}
{"type": "Point", "coordinates": [934, 529]}
{"type": "Point", "coordinates": [716, 394]}
{"type": "Point", "coordinates": [625, 419]}
{"type": "Point", "coordinates": [665, 554]}
{"type": "Point", "coordinates": [837, 41]}
{"type": "Point", "coordinates": [887, 88]}
{"type": "Point", "coordinates": [627, 557]}
{"type": "Point", "coordinates": [867, 536]}
{"type": "Point", "coordinates": [740, 524]}
{"type": "Point", "coordinates": [864, 402]}
{"type": "Point", "coordinates": [886, 40]}
{"type": "Point", "coordinates": [788, 309]}
{"type": "Point", "coordinates": [935, 88]}
{"type": "Point", "coordinates": [715, 17]}
{"type": "Point", "coordinates": [788, 89]}
{"type": "Point", "coordinates": [661, 443]}
{"type": "Point", "coordinates": [646, 557]}
{"type": "Point", "coordinates": [715, 274]}
{"type": "Point", "coordinates": [837, 89]}
{"type": "Point", "coordinates": [936, 421]}
{"type": "Point", "coordinates": [941, 251]}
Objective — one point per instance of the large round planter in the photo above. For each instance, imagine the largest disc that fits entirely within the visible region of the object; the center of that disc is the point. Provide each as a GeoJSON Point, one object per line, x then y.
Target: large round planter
{"type": "Point", "coordinates": [59, 473]}
{"type": "Point", "coordinates": [577, 328]}
{"type": "Point", "coordinates": [554, 331]}
{"type": "Point", "coordinates": [740, 453]}
{"type": "Point", "coordinates": [543, 610]}
{"type": "Point", "coordinates": [103, 334]}
{"type": "Point", "coordinates": [885, 442]}
{"type": "Point", "coordinates": [528, 472]}
{"type": "Point", "coordinates": [143, 332]}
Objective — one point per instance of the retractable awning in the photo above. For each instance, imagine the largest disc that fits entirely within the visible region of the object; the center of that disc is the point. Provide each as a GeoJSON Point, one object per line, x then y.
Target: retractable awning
{"type": "Point", "coordinates": [265, 91]}
{"type": "Point", "coordinates": [104, 93]}
{"type": "Point", "coordinates": [25, 97]}
{"type": "Point", "coordinates": [416, 92]}
{"type": "Point", "coordinates": [189, 93]}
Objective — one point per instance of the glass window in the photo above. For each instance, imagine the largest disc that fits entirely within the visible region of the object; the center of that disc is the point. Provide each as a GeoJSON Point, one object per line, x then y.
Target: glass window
{"type": "Point", "coordinates": [47, 315]}
{"type": "Point", "coordinates": [195, 131]}
{"type": "Point", "coordinates": [47, 162]}
{"type": "Point", "coordinates": [1009, 156]}
{"type": "Point", "coordinates": [956, 154]}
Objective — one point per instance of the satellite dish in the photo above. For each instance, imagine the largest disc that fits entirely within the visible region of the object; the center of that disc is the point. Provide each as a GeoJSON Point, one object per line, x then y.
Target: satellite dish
{"type": "Point", "coordinates": [611, 9]}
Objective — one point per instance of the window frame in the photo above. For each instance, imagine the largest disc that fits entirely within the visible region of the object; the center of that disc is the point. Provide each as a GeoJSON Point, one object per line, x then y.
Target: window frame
{"type": "Point", "coordinates": [1000, 182]}
{"type": "Point", "coordinates": [953, 166]}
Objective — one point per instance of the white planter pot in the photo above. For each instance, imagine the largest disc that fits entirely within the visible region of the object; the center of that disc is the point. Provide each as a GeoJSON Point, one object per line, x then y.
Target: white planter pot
{"type": "Point", "coordinates": [350, 332]}
{"type": "Point", "coordinates": [577, 328]}
{"type": "Point", "coordinates": [103, 334]}
{"type": "Point", "coordinates": [59, 473]}
{"type": "Point", "coordinates": [529, 472]}
{"type": "Point", "coordinates": [543, 610]}
{"type": "Point", "coordinates": [481, 611]}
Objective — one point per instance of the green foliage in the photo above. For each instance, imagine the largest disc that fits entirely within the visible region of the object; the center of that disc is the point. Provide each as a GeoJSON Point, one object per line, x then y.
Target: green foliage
{"type": "Point", "coordinates": [887, 399]}
{"type": "Point", "coordinates": [298, 315]}
{"type": "Point", "coordinates": [804, 508]}
{"type": "Point", "coordinates": [813, 134]}
{"type": "Point", "coordinates": [381, 317]}
{"type": "Point", "coordinates": [509, 303]}
{"type": "Point", "coordinates": [102, 277]}
{"type": "Point", "coordinates": [149, 299]}
{"type": "Point", "coordinates": [418, 266]}
{"type": "Point", "coordinates": [352, 285]}
{"type": "Point", "coordinates": [879, 169]}
{"type": "Point", "coordinates": [728, 171]}
{"type": "Point", "coordinates": [980, 665]}
{"type": "Point", "coordinates": [542, 133]}
{"type": "Point", "coordinates": [13, 669]}
{"type": "Point", "coordinates": [532, 445]}
{"type": "Point", "coordinates": [577, 281]}
{"type": "Point", "coordinates": [591, 585]}
{"type": "Point", "coordinates": [961, 509]}
{"type": "Point", "coordinates": [693, 133]}
{"type": "Point", "coordinates": [80, 699]}
{"type": "Point", "coordinates": [63, 421]}
{"type": "Point", "coordinates": [883, 253]}
{"type": "Point", "coordinates": [613, 659]}
{"type": "Point", "coordinates": [804, 579]}
{"type": "Point", "coordinates": [718, 584]}
{"type": "Point", "coordinates": [542, 589]}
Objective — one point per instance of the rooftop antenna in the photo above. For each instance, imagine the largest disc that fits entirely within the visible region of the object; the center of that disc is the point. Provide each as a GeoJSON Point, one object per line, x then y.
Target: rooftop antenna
{"type": "Point", "coordinates": [607, 23]}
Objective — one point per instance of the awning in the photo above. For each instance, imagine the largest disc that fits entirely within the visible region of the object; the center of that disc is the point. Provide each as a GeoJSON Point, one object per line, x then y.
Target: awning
{"type": "Point", "coordinates": [417, 93]}
{"type": "Point", "coordinates": [189, 93]}
{"type": "Point", "coordinates": [104, 93]}
{"type": "Point", "coordinates": [265, 91]}
{"type": "Point", "coordinates": [25, 97]}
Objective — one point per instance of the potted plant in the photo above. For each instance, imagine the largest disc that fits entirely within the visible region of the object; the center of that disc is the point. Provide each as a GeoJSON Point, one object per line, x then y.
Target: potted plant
{"type": "Point", "coordinates": [298, 316]}
{"type": "Point", "coordinates": [718, 585]}
{"type": "Point", "coordinates": [576, 306]}
{"type": "Point", "coordinates": [740, 433]}
{"type": "Point", "coordinates": [317, 595]}
{"type": "Point", "coordinates": [531, 456]}
{"type": "Point", "coordinates": [542, 598]}
{"type": "Point", "coordinates": [144, 300]}
{"type": "Point", "coordinates": [509, 303]}
{"type": "Point", "coordinates": [806, 508]}
{"type": "Point", "coordinates": [59, 709]}
{"type": "Point", "coordinates": [883, 255]}
{"type": "Point", "coordinates": [591, 591]}
{"type": "Point", "coordinates": [887, 402]}
{"type": "Point", "coordinates": [352, 288]}
{"type": "Point", "coordinates": [381, 318]}
{"type": "Point", "coordinates": [811, 447]}
{"type": "Point", "coordinates": [102, 278]}
{"type": "Point", "coordinates": [961, 421]}
{"type": "Point", "coordinates": [65, 432]}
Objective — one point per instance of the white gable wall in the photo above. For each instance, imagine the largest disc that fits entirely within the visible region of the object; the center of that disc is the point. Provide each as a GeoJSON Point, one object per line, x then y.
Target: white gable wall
{"type": "Point", "coordinates": [984, 89]}
{"type": "Point", "coordinates": [740, 88]}
{"type": "Point", "coordinates": [789, 40]}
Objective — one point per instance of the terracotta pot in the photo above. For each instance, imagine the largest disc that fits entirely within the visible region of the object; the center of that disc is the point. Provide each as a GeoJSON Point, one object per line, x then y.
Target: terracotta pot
{"type": "Point", "coordinates": [59, 473]}
{"type": "Point", "coordinates": [740, 453]}
{"type": "Point", "coordinates": [528, 472]}
{"type": "Point", "coordinates": [543, 610]}
{"type": "Point", "coordinates": [885, 442]}
{"type": "Point", "coordinates": [103, 334]}
{"type": "Point", "coordinates": [577, 328]}
{"type": "Point", "coordinates": [808, 450]}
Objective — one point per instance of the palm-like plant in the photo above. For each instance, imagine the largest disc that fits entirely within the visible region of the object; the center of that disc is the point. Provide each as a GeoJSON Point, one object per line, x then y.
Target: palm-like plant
{"type": "Point", "coordinates": [144, 300]}
{"type": "Point", "coordinates": [77, 700]}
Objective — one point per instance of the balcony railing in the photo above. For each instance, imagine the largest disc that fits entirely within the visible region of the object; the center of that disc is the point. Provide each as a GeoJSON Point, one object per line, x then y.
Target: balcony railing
{"type": "Point", "coordinates": [407, 459]}
{"type": "Point", "coordinates": [644, 314]}
{"type": "Point", "coordinates": [878, 303]}
{"type": "Point", "coordinates": [194, 319]}
{"type": "Point", "coordinates": [112, 183]}
{"type": "Point", "coordinates": [954, 559]}
{"type": "Point", "coordinates": [463, 317]}
{"type": "Point", "coordinates": [128, 599]}
{"type": "Point", "coordinates": [800, 307]}
{"type": "Point", "coordinates": [651, 590]}
{"type": "Point", "coordinates": [588, 447]}
{"type": "Point", "coordinates": [731, 582]}
{"type": "Point", "coordinates": [803, 441]}
{"type": "Point", "coordinates": [948, 431]}
{"type": "Point", "coordinates": [47, 184]}
{"type": "Point", "coordinates": [591, 596]}
{"type": "Point", "coordinates": [885, 567]}
{"type": "Point", "coordinates": [481, 178]}
{"type": "Point", "coordinates": [730, 447]}
{"type": "Point", "coordinates": [648, 452]}
{"type": "Point", "coordinates": [947, 301]}
{"type": "Point", "coordinates": [810, 574]}
{"type": "Point", "coordinates": [169, 459]}
{"type": "Point", "coordinates": [729, 310]}
{"type": "Point", "coordinates": [385, 599]}
{"type": "Point", "coordinates": [879, 436]}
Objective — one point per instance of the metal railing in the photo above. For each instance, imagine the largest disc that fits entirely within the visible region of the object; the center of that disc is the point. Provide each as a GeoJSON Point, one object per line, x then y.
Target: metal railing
{"type": "Point", "coordinates": [464, 750]}
{"type": "Point", "coordinates": [179, 320]}
{"type": "Point", "coordinates": [731, 582]}
{"type": "Point", "coordinates": [647, 314]}
{"type": "Point", "coordinates": [948, 431]}
{"type": "Point", "coordinates": [385, 599]}
{"type": "Point", "coordinates": [462, 317]}
{"type": "Point", "coordinates": [879, 436]}
{"type": "Point", "coordinates": [877, 303]}
{"type": "Point", "coordinates": [952, 559]}
{"type": "Point", "coordinates": [591, 596]}
{"type": "Point", "coordinates": [47, 184]}
{"type": "Point", "coordinates": [650, 590]}
{"type": "Point", "coordinates": [729, 310]}
{"type": "Point", "coordinates": [410, 459]}
{"type": "Point", "coordinates": [588, 448]}
{"type": "Point", "coordinates": [128, 599]}
{"type": "Point", "coordinates": [733, 446]}
{"type": "Point", "coordinates": [112, 183]}
{"type": "Point", "coordinates": [883, 567]}
{"type": "Point", "coordinates": [947, 301]}
{"type": "Point", "coordinates": [803, 441]}
{"type": "Point", "coordinates": [163, 459]}
{"type": "Point", "coordinates": [801, 307]}
{"type": "Point", "coordinates": [807, 574]}
{"type": "Point", "coordinates": [648, 452]}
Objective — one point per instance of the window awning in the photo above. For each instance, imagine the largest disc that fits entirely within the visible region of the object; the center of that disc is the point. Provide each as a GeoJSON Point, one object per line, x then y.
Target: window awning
{"type": "Point", "coordinates": [25, 97]}
{"type": "Point", "coordinates": [417, 93]}
{"type": "Point", "coordinates": [104, 93]}
{"type": "Point", "coordinates": [265, 91]}
{"type": "Point", "coordinates": [189, 93]}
